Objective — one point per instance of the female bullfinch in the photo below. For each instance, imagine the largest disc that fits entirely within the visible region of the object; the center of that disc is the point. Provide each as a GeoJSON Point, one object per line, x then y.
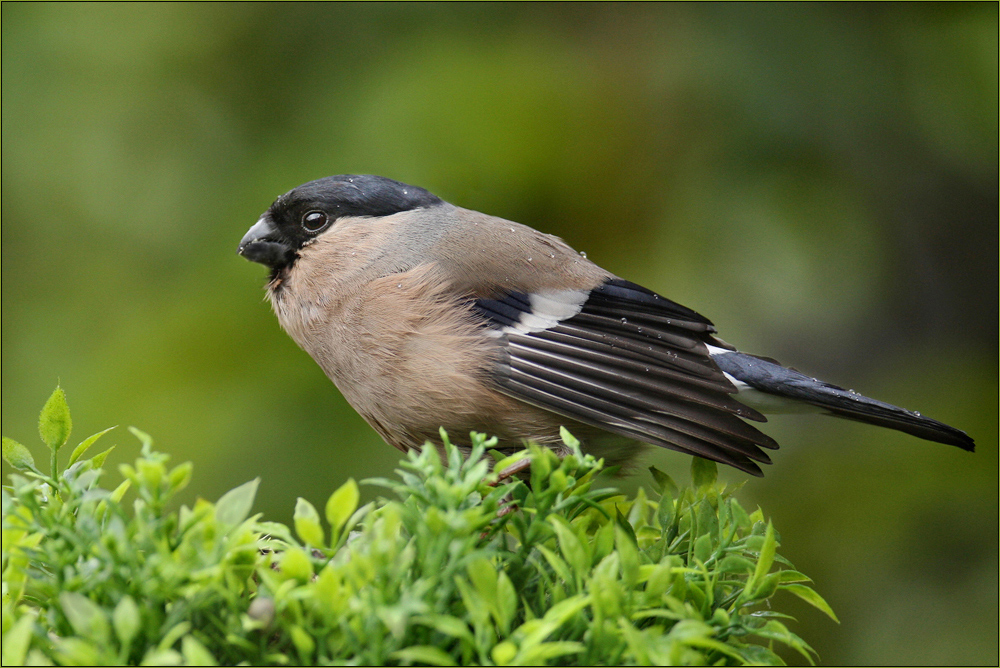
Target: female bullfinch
{"type": "Point", "coordinates": [428, 315]}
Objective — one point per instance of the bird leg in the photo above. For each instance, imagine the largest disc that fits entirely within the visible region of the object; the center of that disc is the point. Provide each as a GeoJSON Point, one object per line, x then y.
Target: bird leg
{"type": "Point", "coordinates": [507, 502]}
{"type": "Point", "coordinates": [512, 470]}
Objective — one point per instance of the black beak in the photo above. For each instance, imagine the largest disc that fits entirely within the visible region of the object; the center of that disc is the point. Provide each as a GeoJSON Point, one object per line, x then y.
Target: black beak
{"type": "Point", "coordinates": [263, 244]}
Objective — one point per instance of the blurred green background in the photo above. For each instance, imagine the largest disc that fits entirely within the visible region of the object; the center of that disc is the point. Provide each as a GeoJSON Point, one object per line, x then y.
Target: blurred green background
{"type": "Point", "coordinates": [820, 180]}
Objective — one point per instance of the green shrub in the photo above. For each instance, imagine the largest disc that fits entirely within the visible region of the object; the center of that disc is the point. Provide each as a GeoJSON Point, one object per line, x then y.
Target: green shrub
{"type": "Point", "coordinates": [576, 575]}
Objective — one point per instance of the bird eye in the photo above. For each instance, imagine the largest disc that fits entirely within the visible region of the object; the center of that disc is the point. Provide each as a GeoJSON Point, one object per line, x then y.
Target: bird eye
{"type": "Point", "coordinates": [314, 221]}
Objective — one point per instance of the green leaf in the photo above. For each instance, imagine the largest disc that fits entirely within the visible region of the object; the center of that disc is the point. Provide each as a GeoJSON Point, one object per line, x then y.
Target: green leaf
{"type": "Point", "coordinates": [793, 576]}
{"type": "Point", "coordinates": [564, 610]}
{"type": "Point", "coordinates": [704, 472]}
{"type": "Point", "coordinates": [447, 625]}
{"type": "Point", "coordinates": [506, 602]}
{"type": "Point", "coordinates": [120, 490]}
{"type": "Point", "coordinates": [428, 654]}
{"type": "Point", "coordinates": [659, 580]}
{"type": "Point", "coordinates": [756, 655]}
{"type": "Point", "coordinates": [706, 516]}
{"type": "Point", "coordinates": [276, 530]}
{"type": "Point", "coordinates": [572, 548]}
{"type": "Point", "coordinates": [54, 423]}
{"type": "Point", "coordinates": [542, 653]}
{"type": "Point", "coordinates": [740, 517]}
{"type": "Point", "coordinates": [623, 524]}
{"type": "Point", "coordinates": [664, 483]}
{"type": "Point", "coordinates": [307, 524]}
{"type": "Point", "coordinates": [17, 455]}
{"type": "Point", "coordinates": [721, 618]}
{"type": "Point", "coordinates": [79, 450]}
{"type": "Point", "coordinates": [603, 541]}
{"type": "Point", "coordinates": [304, 643]}
{"type": "Point", "coordinates": [690, 629]}
{"type": "Point", "coordinates": [541, 466]}
{"type": "Point", "coordinates": [775, 630]}
{"type": "Point", "coordinates": [475, 607]}
{"type": "Point", "coordinates": [196, 654]}
{"type": "Point", "coordinates": [180, 476]}
{"type": "Point", "coordinates": [16, 640]}
{"type": "Point", "coordinates": [665, 511]}
{"type": "Point", "coordinates": [703, 548]}
{"type": "Point", "coordinates": [73, 651]}
{"type": "Point", "coordinates": [161, 657]}
{"type": "Point", "coordinates": [125, 620]}
{"type": "Point", "coordinates": [556, 562]}
{"type": "Point", "coordinates": [295, 563]}
{"type": "Point", "coordinates": [483, 576]}
{"type": "Point", "coordinates": [151, 472]}
{"type": "Point", "coordinates": [86, 617]}
{"type": "Point", "coordinates": [628, 552]}
{"type": "Point", "coordinates": [735, 564]}
{"type": "Point", "coordinates": [571, 441]}
{"type": "Point", "coordinates": [754, 543]}
{"type": "Point", "coordinates": [234, 506]}
{"type": "Point", "coordinates": [503, 653]}
{"type": "Point", "coordinates": [766, 557]}
{"type": "Point", "coordinates": [766, 586]}
{"type": "Point", "coordinates": [341, 505]}
{"type": "Point", "coordinates": [176, 632]}
{"type": "Point", "coordinates": [809, 595]}
{"type": "Point", "coordinates": [98, 460]}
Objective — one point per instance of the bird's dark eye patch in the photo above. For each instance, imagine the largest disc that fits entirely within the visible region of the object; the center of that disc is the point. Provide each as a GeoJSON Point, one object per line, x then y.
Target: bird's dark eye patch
{"type": "Point", "coordinates": [315, 221]}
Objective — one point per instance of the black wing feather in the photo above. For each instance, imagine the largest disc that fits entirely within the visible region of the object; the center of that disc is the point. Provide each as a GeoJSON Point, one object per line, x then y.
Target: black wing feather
{"type": "Point", "coordinates": [630, 362]}
{"type": "Point", "coordinates": [678, 413]}
{"type": "Point", "coordinates": [608, 415]}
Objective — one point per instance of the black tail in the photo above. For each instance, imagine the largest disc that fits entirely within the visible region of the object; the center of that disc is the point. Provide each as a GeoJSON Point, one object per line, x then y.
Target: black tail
{"type": "Point", "coordinates": [772, 378]}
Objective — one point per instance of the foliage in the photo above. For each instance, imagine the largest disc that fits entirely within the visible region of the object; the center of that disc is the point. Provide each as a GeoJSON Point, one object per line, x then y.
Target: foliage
{"type": "Point", "coordinates": [449, 573]}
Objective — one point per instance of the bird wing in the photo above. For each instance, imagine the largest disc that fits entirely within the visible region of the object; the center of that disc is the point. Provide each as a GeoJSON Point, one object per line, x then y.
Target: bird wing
{"type": "Point", "coordinates": [624, 359]}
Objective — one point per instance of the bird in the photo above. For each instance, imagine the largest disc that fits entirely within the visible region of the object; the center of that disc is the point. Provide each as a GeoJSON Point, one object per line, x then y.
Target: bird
{"type": "Point", "coordinates": [426, 315]}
